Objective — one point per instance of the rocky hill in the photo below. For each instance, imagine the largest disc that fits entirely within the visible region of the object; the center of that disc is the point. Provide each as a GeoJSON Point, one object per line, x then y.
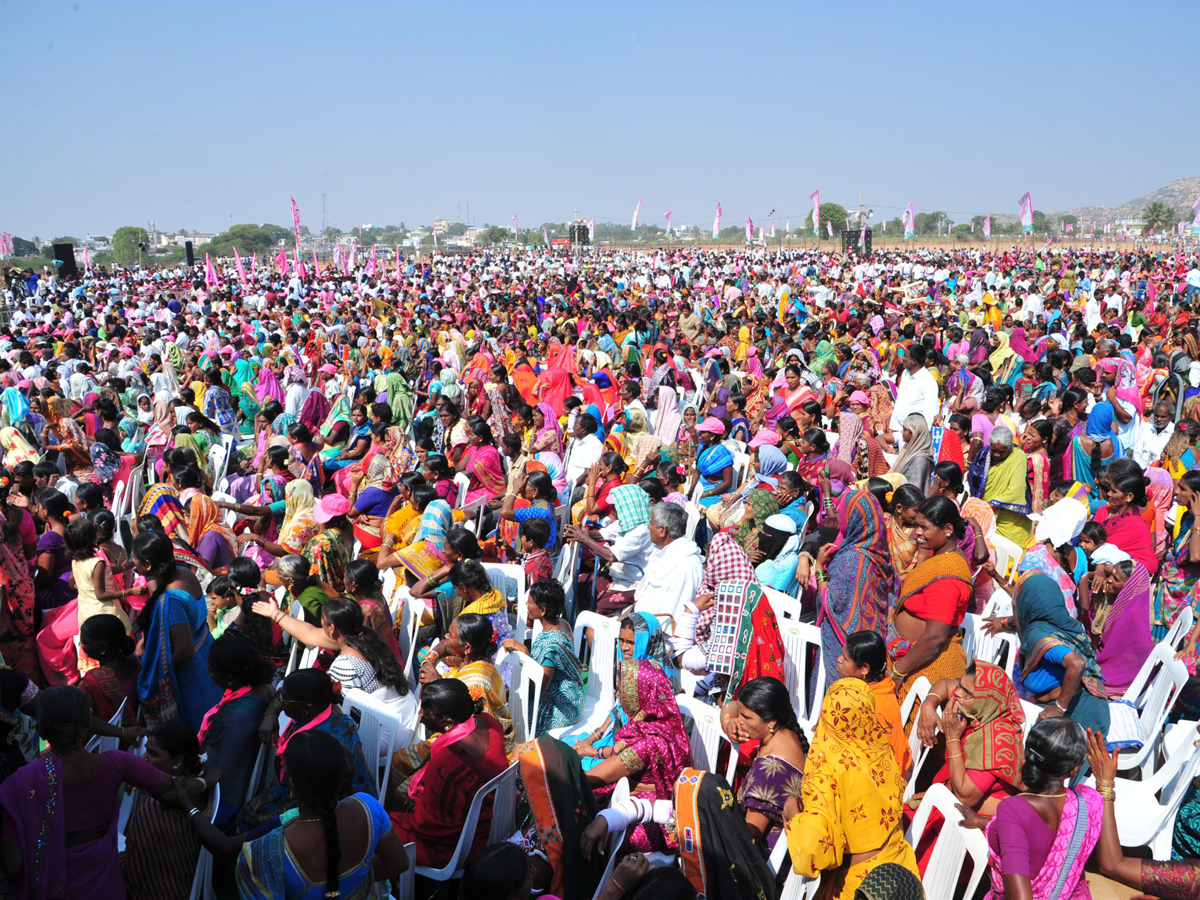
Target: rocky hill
{"type": "Point", "coordinates": [1180, 195]}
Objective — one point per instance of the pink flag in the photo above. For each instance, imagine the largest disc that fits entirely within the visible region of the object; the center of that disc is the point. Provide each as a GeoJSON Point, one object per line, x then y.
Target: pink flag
{"type": "Point", "coordinates": [862, 234]}
{"type": "Point", "coordinates": [360, 229]}
{"type": "Point", "coordinates": [435, 243]}
{"type": "Point", "coordinates": [772, 229]}
{"type": "Point", "coordinates": [352, 263]}
{"type": "Point", "coordinates": [885, 226]}
{"type": "Point", "coordinates": [815, 197]}
{"type": "Point", "coordinates": [1026, 204]}
{"type": "Point", "coordinates": [280, 260]}
{"type": "Point", "coordinates": [972, 226]}
{"type": "Point", "coordinates": [254, 264]}
{"type": "Point", "coordinates": [749, 229]}
{"type": "Point", "coordinates": [761, 235]}
{"type": "Point", "coordinates": [237, 258]}
{"type": "Point", "coordinates": [787, 225]}
{"type": "Point", "coordinates": [592, 229]}
{"type": "Point", "coordinates": [829, 228]}
{"type": "Point", "coordinates": [545, 236]}
{"type": "Point", "coordinates": [210, 273]}
{"type": "Point", "coordinates": [987, 226]}
{"type": "Point", "coordinates": [316, 265]}
{"type": "Point", "coordinates": [1046, 246]}
{"type": "Point", "coordinates": [516, 229]}
{"type": "Point", "coordinates": [667, 216]}
{"type": "Point", "coordinates": [371, 264]}
{"type": "Point", "coordinates": [298, 269]}
{"type": "Point", "coordinates": [636, 212]}
{"type": "Point", "coordinates": [1070, 227]}
{"type": "Point", "coordinates": [337, 256]}
{"type": "Point", "coordinates": [87, 265]}
{"type": "Point", "coordinates": [717, 221]}
{"type": "Point", "coordinates": [296, 223]}
{"type": "Point", "coordinates": [399, 274]}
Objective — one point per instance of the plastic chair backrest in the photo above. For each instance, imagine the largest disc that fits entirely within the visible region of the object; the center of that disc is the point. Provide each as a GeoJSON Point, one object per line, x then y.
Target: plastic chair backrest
{"type": "Point", "coordinates": [615, 838]}
{"type": "Point", "coordinates": [602, 660]}
{"type": "Point", "coordinates": [706, 735]}
{"type": "Point", "coordinates": [379, 727]}
{"type": "Point", "coordinates": [1139, 689]}
{"type": "Point", "coordinates": [915, 697]}
{"type": "Point", "coordinates": [502, 791]}
{"type": "Point", "coordinates": [566, 573]}
{"type": "Point", "coordinates": [463, 483]}
{"type": "Point", "coordinates": [785, 607]}
{"type": "Point", "coordinates": [802, 649]}
{"type": "Point", "coordinates": [509, 579]}
{"type": "Point", "coordinates": [406, 884]}
{"type": "Point", "coordinates": [100, 744]}
{"type": "Point", "coordinates": [202, 881]}
{"type": "Point", "coordinates": [1180, 628]}
{"type": "Point", "coordinates": [693, 520]}
{"type": "Point", "coordinates": [523, 678]}
{"type": "Point", "coordinates": [1008, 554]}
{"type": "Point", "coordinates": [954, 845]}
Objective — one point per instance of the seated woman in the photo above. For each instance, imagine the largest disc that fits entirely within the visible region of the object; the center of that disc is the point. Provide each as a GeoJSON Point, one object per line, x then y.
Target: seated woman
{"type": "Point", "coordinates": [714, 462]}
{"type": "Point", "coordinates": [466, 654]}
{"type": "Point", "coordinates": [441, 599]}
{"type": "Point", "coordinates": [113, 681]}
{"type": "Point", "coordinates": [1122, 518]}
{"type": "Point", "coordinates": [295, 574]}
{"type": "Point", "coordinates": [864, 656]}
{"type": "Point", "coordinates": [923, 636]}
{"type": "Point", "coordinates": [476, 595]}
{"type": "Point", "coordinates": [845, 823]}
{"type": "Point", "coordinates": [306, 697]}
{"type": "Point", "coordinates": [364, 586]}
{"type": "Point", "coordinates": [554, 649]}
{"type": "Point", "coordinates": [229, 732]}
{"type": "Point", "coordinates": [1055, 553]}
{"type": "Point", "coordinates": [603, 477]}
{"type": "Point", "coordinates": [779, 551]}
{"type": "Point", "coordinates": [534, 497]}
{"type": "Point", "coordinates": [208, 534]}
{"type": "Point", "coordinates": [336, 846]}
{"type": "Point", "coordinates": [763, 713]}
{"type": "Point", "coordinates": [1114, 601]}
{"type": "Point", "coordinates": [467, 752]}
{"type": "Point", "coordinates": [266, 512]}
{"type": "Point", "coordinates": [900, 505]}
{"type": "Point", "coordinates": [1039, 840]}
{"type": "Point", "coordinates": [767, 463]}
{"type": "Point", "coordinates": [58, 836]}
{"type": "Point", "coordinates": [370, 507]}
{"type": "Point", "coordinates": [481, 463]}
{"type": "Point", "coordinates": [161, 849]}
{"type": "Point", "coordinates": [437, 472]}
{"type": "Point", "coordinates": [1058, 664]}
{"type": "Point", "coordinates": [345, 436]}
{"type": "Point", "coordinates": [636, 443]}
{"type": "Point", "coordinates": [420, 547]}
{"type": "Point", "coordinates": [651, 749]}
{"type": "Point", "coordinates": [980, 715]}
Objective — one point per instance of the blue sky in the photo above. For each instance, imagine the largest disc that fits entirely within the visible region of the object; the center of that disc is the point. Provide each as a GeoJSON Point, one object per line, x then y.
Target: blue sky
{"type": "Point", "coordinates": [188, 113]}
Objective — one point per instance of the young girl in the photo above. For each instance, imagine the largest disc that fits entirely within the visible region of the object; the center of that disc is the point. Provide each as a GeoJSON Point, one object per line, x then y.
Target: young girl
{"type": "Point", "coordinates": [241, 590]}
{"type": "Point", "coordinates": [113, 681]}
{"type": "Point", "coordinates": [864, 656]}
{"type": "Point", "coordinates": [98, 590]}
{"type": "Point", "coordinates": [673, 475]}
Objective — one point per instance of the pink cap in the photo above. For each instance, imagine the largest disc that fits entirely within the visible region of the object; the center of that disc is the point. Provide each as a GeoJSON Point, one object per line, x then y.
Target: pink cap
{"type": "Point", "coordinates": [765, 436]}
{"type": "Point", "coordinates": [330, 507]}
{"type": "Point", "coordinates": [328, 369]}
{"type": "Point", "coordinates": [711, 425]}
{"type": "Point", "coordinates": [860, 397]}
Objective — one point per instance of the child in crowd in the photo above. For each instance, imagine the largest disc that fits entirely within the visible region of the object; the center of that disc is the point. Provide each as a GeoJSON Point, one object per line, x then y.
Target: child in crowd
{"type": "Point", "coordinates": [534, 535]}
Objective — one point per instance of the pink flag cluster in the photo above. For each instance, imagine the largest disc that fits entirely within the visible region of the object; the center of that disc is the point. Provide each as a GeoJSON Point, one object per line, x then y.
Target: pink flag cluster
{"type": "Point", "coordinates": [6, 244]}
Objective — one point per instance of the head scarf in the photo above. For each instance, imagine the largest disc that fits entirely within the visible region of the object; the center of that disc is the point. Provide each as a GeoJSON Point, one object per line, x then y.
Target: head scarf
{"type": "Point", "coordinates": [204, 517]}
{"type": "Point", "coordinates": [850, 429]}
{"type": "Point", "coordinates": [914, 461]}
{"type": "Point", "coordinates": [632, 506]}
{"type": "Point", "coordinates": [778, 410]}
{"type": "Point", "coordinates": [653, 739]}
{"type": "Point", "coordinates": [1100, 421]}
{"type": "Point", "coordinates": [762, 504]}
{"type": "Point", "coordinates": [771, 461]}
{"type": "Point", "coordinates": [106, 462]}
{"type": "Point", "coordinates": [994, 740]}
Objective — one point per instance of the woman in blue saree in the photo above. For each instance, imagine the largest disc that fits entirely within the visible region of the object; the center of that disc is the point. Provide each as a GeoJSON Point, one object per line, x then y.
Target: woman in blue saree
{"type": "Point", "coordinates": [714, 462]}
{"type": "Point", "coordinates": [174, 684]}
{"type": "Point", "coordinates": [1094, 450]}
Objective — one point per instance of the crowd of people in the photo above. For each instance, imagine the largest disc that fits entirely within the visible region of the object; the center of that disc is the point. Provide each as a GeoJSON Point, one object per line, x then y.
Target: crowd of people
{"type": "Point", "coordinates": [201, 480]}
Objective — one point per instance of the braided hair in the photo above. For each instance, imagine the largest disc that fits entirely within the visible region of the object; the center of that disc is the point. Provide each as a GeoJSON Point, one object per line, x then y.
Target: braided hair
{"type": "Point", "coordinates": [768, 698]}
{"type": "Point", "coordinates": [319, 771]}
{"type": "Point", "coordinates": [344, 614]}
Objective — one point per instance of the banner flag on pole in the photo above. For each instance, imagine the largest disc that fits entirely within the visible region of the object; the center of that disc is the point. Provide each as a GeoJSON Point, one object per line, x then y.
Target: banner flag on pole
{"type": "Point", "coordinates": [241, 269]}
{"type": "Point", "coordinates": [987, 227]}
{"type": "Point", "coordinates": [280, 260]}
{"type": "Point", "coordinates": [435, 243]}
{"type": "Point", "coordinates": [636, 212]}
{"type": "Point", "coordinates": [1026, 203]}
{"type": "Point", "coordinates": [371, 264]}
{"type": "Point", "coordinates": [815, 197]}
{"type": "Point", "coordinates": [829, 228]}
{"type": "Point", "coordinates": [298, 269]}
{"type": "Point", "coordinates": [87, 264]}
{"type": "Point", "coordinates": [667, 215]}
{"type": "Point", "coordinates": [545, 235]}
{"type": "Point", "coordinates": [399, 273]}
{"type": "Point", "coordinates": [516, 230]}
{"type": "Point", "coordinates": [352, 262]}
{"type": "Point", "coordinates": [772, 229]}
{"type": "Point", "coordinates": [316, 266]}
{"type": "Point", "coordinates": [909, 221]}
{"type": "Point", "coordinates": [749, 229]}
{"type": "Point", "coordinates": [717, 221]}
{"type": "Point", "coordinates": [592, 228]}
{"type": "Point", "coordinates": [787, 225]}
{"type": "Point", "coordinates": [210, 273]}
{"type": "Point", "coordinates": [296, 225]}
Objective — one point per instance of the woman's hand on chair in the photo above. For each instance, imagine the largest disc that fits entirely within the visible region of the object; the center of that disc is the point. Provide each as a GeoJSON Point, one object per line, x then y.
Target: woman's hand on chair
{"type": "Point", "coordinates": [929, 722]}
{"type": "Point", "coordinates": [1103, 763]}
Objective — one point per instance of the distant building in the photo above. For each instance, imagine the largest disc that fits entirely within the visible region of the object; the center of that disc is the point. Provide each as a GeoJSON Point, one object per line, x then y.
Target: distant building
{"type": "Point", "coordinates": [197, 239]}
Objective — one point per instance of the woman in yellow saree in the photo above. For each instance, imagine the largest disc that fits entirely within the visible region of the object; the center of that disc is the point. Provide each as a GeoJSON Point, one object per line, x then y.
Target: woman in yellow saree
{"type": "Point", "coordinates": [852, 797]}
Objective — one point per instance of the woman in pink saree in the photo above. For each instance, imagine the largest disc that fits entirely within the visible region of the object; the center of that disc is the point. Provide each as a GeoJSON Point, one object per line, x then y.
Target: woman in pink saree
{"type": "Point", "coordinates": [548, 436]}
{"type": "Point", "coordinates": [651, 748]}
{"type": "Point", "coordinates": [481, 463]}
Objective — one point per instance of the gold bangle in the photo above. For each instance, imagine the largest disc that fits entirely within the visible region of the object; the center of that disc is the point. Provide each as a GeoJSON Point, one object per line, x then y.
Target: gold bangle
{"type": "Point", "coordinates": [953, 756]}
{"type": "Point", "coordinates": [953, 740]}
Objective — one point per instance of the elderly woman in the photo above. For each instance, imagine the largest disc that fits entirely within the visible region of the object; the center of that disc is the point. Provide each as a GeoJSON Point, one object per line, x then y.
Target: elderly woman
{"type": "Point", "coordinates": [1115, 600]}
{"type": "Point", "coordinates": [1000, 475]}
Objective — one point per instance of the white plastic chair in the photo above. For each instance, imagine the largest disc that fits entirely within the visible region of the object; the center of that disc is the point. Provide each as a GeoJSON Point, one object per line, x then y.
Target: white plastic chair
{"type": "Point", "coordinates": [999, 604]}
{"type": "Point", "coordinates": [693, 520]}
{"type": "Point", "coordinates": [615, 838]}
{"type": "Point", "coordinates": [406, 884]}
{"type": "Point", "coordinates": [799, 641]}
{"type": "Point", "coordinates": [1168, 677]}
{"type": "Point", "coordinates": [797, 887]}
{"type": "Point", "coordinates": [1146, 809]}
{"type": "Point", "coordinates": [566, 573]}
{"type": "Point", "coordinates": [916, 696]}
{"type": "Point", "coordinates": [954, 845]}
{"type": "Point", "coordinates": [1008, 554]}
{"type": "Point", "coordinates": [523, 676]}
{"type": "Point", "coordinates": [1180, 629]}
{"type": "Point", "coordinates": [785, 607]}
{"type": "Point", "coordinates": [509, 579]}
{"type": "Point", "coordinates": [379, 726]}
{"type": "Point", "coordinates": [502, 790]}
{"type": "Point", "coordinates": [707, 736]}
{"type": "Point", "coordinates": [99, 744]}
{"type": "Point", "coordinates": [202, 888]}
{"type": "Point", "coordinates": [741, 469]}
{"type": "Point", "coordinates": [601, 682]}
{"type": "Point", "coordinates": [1032, 711]}
{"type": "Point", "coordinates": [997, 649]}
{"type": "Point", "coordinates": [463, 483]}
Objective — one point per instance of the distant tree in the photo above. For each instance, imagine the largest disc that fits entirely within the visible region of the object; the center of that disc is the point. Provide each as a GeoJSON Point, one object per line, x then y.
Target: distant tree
{"type": "Point", "coordinates": [832, 213]}
{"type": "Point", "coordinates": [332, 234]}
{"type": "Point", "coordinates": [66, 240]}
{"type": "Point", "coordinates": [1159, 216]}
{"type": "Point", "coordinates": [248, 239]}
{"type": "Point", "coordinates": [493, 235]}
{"type": "Point", "coordinates": [125, 244]}
{"type": "Point", "coordinates": [22, 247]}
{"type": "Point", "coordinates": [1070, 220]}
{"type": "Point", "coordinates": [456, 229]}
{"type": "Point", "coordinates": [1041, 222]}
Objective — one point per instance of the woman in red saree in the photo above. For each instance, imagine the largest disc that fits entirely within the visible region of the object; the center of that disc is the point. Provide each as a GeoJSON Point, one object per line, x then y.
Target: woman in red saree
{"type": "Point", "coordinates": [466, 753]}
{"type": "Point", "coordinates": [554, 386]}
{"type": "Point", "coordinates": [481, 463]}
{"type": "Point", "coordinates": [1122, 518]}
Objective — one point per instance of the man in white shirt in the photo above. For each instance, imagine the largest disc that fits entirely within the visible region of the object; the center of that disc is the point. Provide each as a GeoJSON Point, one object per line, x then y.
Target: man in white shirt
{"type": "Point", "coordinates": [1153, 434]}
{"type": "Point", "coordinates": [673, 576]}
{"type": "Point", "coordinates": [585, 450]}
{"type": "Point", "coordinates": [917, 392]}
{"type": "Point", "coordinates": [627, 545]}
